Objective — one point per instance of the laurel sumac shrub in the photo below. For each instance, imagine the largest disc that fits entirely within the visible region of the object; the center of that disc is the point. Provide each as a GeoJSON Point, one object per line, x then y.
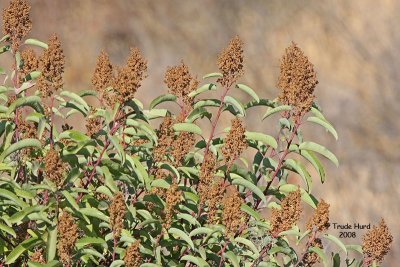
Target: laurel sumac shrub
{"type": "Point", "coordinates": [143, 186]}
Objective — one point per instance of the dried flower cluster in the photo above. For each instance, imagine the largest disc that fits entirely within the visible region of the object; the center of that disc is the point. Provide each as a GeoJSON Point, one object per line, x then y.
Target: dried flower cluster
{"type": "Point", "coordinates": [102, 78]}
{"type": "Point", "coordinates": [377, 241]}
{"type": "Point", "coordinates": [26, 129]}
{"type": "Point", "coordinates": [51, 65]}
{"type": "Point", "coordinates": [212, 197]}
{"type": "Point", "coordinates": [165, 138]}
{"type": "Point", "coordinates": [129, 77]}
{"type": "Point", "coordinates": [180, 83]}
{"type": "Point", "coordinates": [235, 143]}
{"type": "Point", "coordinates": [67, 236]}
{"type": "Point", "coordinates": [284, 218]}
{"type": "Point", "coordinates": [21, 231]}
{"type": "Point", "coordinates": [132, 256]}
{"type": "Point", "coordinates": [93, 123]}
{"type": "Point", "coordinates": [181, 146]}
{"type": "Point", "coordinates": [297, 80]}
{"type": "Point", "coordinates": [230, 62]}
{"type": "Point", "coordinates": [54, 167]}
{"type": "Point", "coordinates": [320, 218]}
{"type": "Point", "coordinates": [16, 22]}
{"type": "Point", "coordinates": [117, 213]}
{"type": "Point", "coordinates": [172, 198]}
{"type": "Point", "coordinates": [37, 256]}
{"type": "Point", "coordinates": [29, 63]}
{"type": "Point", "coordinates": [311, 258]}
{"type": "Point", "coordinates": [232, 216]}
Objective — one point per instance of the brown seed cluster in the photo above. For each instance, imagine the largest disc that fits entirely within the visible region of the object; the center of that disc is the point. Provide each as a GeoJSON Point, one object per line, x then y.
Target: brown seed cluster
{"type": "Point", "coordinates": [117, 213]}
{"type": "Point", "coordinates": [165, 138]}
{"type": "Point", "coordinates": [320, 218]}
{"type": "Point", "coordinates": [103, 77]}
{"type": "Point", "coordinates": [67, 236]}
{"type": "Point", "coordinates": [283, 219]}
{"type": "Point", "coordinates": [132, 256]}
{"type": "Point", "coordinates": [212, 196]}
{"type": "Point", "coordinates": [26, 129]}
{"type": "Point", "coordinates": [93, 123]}
{"type": "Point", "coordinates": [37, 256]}
{"type": "Point", "coordinates": [54, 167]}
{"type": "Point", "coordinates": [377, 242]}
{"type": "Point", "coordinates": [235, 143]}
{"type": "Point", "coordinates": [51, 65]}
{"type": "Point", "coordinates": [129, 77]}
{"type": "Point", "coordinates": [172, 199]}
{"type": "Point", "coordinates": [16, 22]}
{"type": "Point", "coordinates": [230, 62]}
{"type": "Point", "coordinates": [311, 258]}
{"type": "Point", "coordinates": [232, 217]}
{"type": "Point", "coordinates": [181, 146]}
{"type": "Point", "coordinates": [29, 63]}
{"type": "Point", "coordinates": [297, 80]}
{"type": "Point", "coordinates": [180, 83]}
{"type": "Point", "coordinates": [21, 231]}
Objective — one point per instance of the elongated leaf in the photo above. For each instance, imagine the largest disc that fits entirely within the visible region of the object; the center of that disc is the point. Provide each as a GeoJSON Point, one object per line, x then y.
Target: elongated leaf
{"type": "Point", "coordinates": [203, 88]}
{"type": "Point", "coordinates": [264, 138]}
{"type": "Point", "coordinates": [309, 155]}
{"type": "Point", "coordinates": [252, 187]}
{"type": "Point", "coordinates": [201, 231]}
{"type": "Point", "coordinates": [321, 150]}
{"type": "Point", "coordinates": [36, 43]}
{"type": "Point", "coordinates": [7, 229]}
{"type": "Point", "coordinates": [271, 111]}
{"type": "Point", "coordinates": [70, 199]}
{"type": "Point", "coordinates": [335, 240]}
{"type": "Point", "coordinates": [117, 263]}
{"type": "Point", "coordinates": [182, 235]}
{"type": "Point", "coordinates": [160, 183]}
{"type": "Point", "coordinates": [92, 212]}
{"type": "Point", "coordinates": [76, 98]}
{"type": "Point", "coordinates": [118, 147]}
{"type": "Point", "coordinates": [11, 196]}
{"type": "Point", "coordinates": [32, 101]}
{"type": "Point", "coordinates": [320, 254]}
{"type": "Point", "coordinates": [196, 260]}
{"type": "Point", "coordinates": [230, 100]}
{"type": "Point", "coordinates": [250, 211]}
{"type": "Point", "coordinates": [88, 240]}
{"type": "Point", "coordinates": [198, 113]}
{"type": "Point", "coordinates": [233, 258]}
{"type": "Point", "coordinates": [51, 243]}
{"type": "Point", "coordinates": [21, 248]}
{"type": "Point", "coordinates": [187, 127]}
{"type": "Point", "coordinates": [249, 244]}
{"type": "Point", "coordinates": [248, 91]}
{"type": "Point", "coordinates": [324, 124]}
{"type": "Point", "coordinates": [29, 142]}
{"type": "Point", "coordinates": [207, 103]}
{"type": "Point", "coordinates": [299, 168]}
{"type": "Point", "coordinates": [162, 98]}
{"type": "Point", "coordinates": [287, 188]}
{"type": "Point", "coordinates": [212, 75]}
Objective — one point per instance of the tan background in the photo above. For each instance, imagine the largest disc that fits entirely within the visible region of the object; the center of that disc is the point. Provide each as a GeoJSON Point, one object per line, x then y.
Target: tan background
{"type": "Point", "coordinates": [353, 44]}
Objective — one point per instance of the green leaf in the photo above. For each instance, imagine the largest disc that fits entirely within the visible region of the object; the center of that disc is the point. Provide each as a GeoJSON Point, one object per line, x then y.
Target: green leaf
{"type": "Point", "coordinates": [76, 98]}
{"type": "Point", "coordinates": [29, 142]}
{"type": "Point", "coordinates": [187, 127]}
{"type": "Point", "coordinates": [196, 260]}
{"type": "Point", "coordinates": [51, 243]}
{"type": "Point", "coordinates": [249, 244]}
{"type": "Point", "coordinates": [252, 187]}
{"type": "Point", "coordinates": [11, 196]}
{"type": "Point", "coordinates": [264, 138]}
{"type": "Point", "coordinates": [203, 88]}
{"type": "Point", "coordinates": [233, 258]}
{"type": "Point", "coordinates": [21, 248]}
{"type": "Point", "coordinates": [118, 147]}
{"type": "Point", "coordinates": [250, 211]}
{"type": "Point", "coordinates": [324, 124]}
{"type": "Point", "coordinates": [88, 240]}
{"type": "Point", "coordinates": [92, 212]}
{"type": "Point", "coordinates": [8, 230]}
{"type": "Point", "coordinates": [310, 156]}
{"type": "Point", "coordinates": [320, 254]}
{"type": "Point", "coordinates": [213, 75]}
{"type": "Point", "coordinates": [271, 111]}
{"type": "Point", "coordinates": [117, 263]}
{"type": "Point", "coordinates": [36, 43]}
{"type": "Point", "coordinates": [299, 168]}
{"type": "Point", "coordinates": [238, 107]}
{"type": "Point", "coordinates": [335, 240]}
{"type": "Point", "coordinates": [4, 49]}
{"type": "Point", "coordinates": [321, 150]}
{"type": "Point", "coordinates": [32, 101]}
{"type": "Point", "coordinates": [356, 248]}
{"type": "Point", "coordinates": [160, 183]}
{"type": "Point", "coordinates": [70, 199]}
{"type": "Point", "coordinates": [162, 98]}
{"type": "Point", "coordinates": [287, 188]}
{"type": "Point", "coordinates": [207, 103]}
{"type": "Point", "coordinates": [248, 91]}
{"type": "Point", "coordinates": [198, 113]}
{"type": "Point", "coordinates": [155, 113]}
{"type": "Point", "coordinates": [201, 231]}
{"type": "Point", "coordinates": [182, 235]}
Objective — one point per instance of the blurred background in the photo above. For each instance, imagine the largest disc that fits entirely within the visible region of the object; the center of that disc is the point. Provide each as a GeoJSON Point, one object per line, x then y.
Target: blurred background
{"type": "Point", "coordinates": [354, 46]}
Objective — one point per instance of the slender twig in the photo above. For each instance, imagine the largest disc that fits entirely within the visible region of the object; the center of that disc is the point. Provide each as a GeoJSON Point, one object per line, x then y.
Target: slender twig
{"type": "Point", "coordinates": [309, 242]}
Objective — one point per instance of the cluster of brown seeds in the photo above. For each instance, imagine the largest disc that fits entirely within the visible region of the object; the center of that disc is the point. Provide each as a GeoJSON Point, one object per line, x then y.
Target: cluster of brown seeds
{"type": "Point", "coordinates": [129, 77]}
{"type": "Point", "coordinates": [230, 62]}
{"type": "Point", "coordinates": [165, 138]}
{"type": "Point", "coordinates": [284, 218]}
{"type": "Point", "coordinates": [377, 242]}
{"type": "Point", "coordinates": [235, 143]}
{"type": "Point", "coordinates": [117, 213]}
{"type": "Point", "coordinates": [93, 123]}
{"type": "Point", "coordinates": [311, 258]}
{"type": "Point", "coordinates": [297, 80]}
{"type": "Point", "coordinates": [51, 65]}
{"type": "Point", "coordinates": [181, 146]}
{"type": "Point", "coordinates": [180, 83]}
{"type": "Point", "coordinates": [172, 199]}
{"type": "Point", "coordinates": [29, 63]}
{"type": "Point", "coordinates": [102, 78]}
{"type": "Point", "coordinates": [132, 256]}
{"type": "Point", "coordinates": [37, 256]}
{"type": "Point", "coordinates": [26, 129]}
{"type": "Point", "coordinates": [21, 231]}
{"type": "Point", "coordinates": [212, 196]}
{"type": "Point", "coordinates": [232, 216]}
{"type": "Point", "coordinates": [67, 236]}
{"type": "Point", "coordinates": [16, 22]}
{"type": "Point", "coordinates": [320, 218]}
{"type": "Point", "coordinates": [54, 167]}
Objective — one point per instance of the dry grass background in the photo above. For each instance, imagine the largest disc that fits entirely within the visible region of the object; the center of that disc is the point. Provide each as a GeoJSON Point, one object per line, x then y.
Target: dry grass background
{"type": "Point", "coordinates": [353, 44]}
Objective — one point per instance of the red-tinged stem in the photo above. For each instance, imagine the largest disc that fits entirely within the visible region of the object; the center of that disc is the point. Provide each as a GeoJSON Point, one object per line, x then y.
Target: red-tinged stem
{"type": "Point", "coordinates": [309, 242]}
{"type": "Point", "coordinates": [222, 254]}
{"type": "Point", "coordinates": [51, 122]}
{"type": "Point", "coordinates": [262, 253]}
